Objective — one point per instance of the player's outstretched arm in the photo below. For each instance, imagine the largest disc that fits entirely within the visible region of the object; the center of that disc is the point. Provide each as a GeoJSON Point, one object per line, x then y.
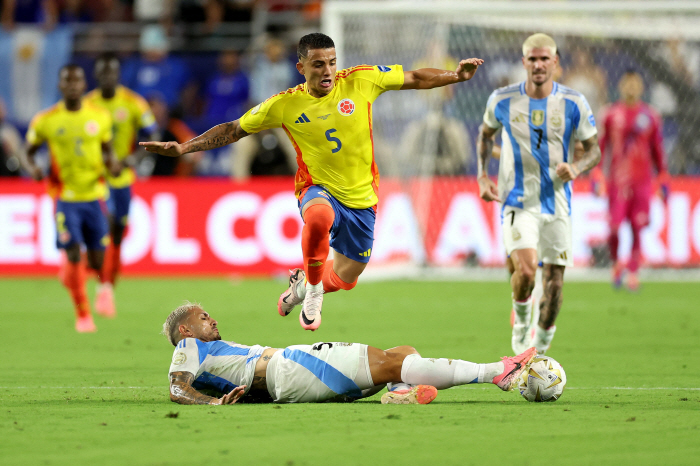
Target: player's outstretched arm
{"type": "Point", "coordinates": [182, 391]}
{"type": "Point", "coordinates": [590, 158]}
{"type": "Point", "coordinates": [218, 136]}
{"type": "Point", "coordinates": [484, 148]}
{"type": "Point", "coordinates": [429, 78]}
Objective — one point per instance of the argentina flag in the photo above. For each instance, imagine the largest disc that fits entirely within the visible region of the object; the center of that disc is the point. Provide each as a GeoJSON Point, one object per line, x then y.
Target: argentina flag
{"type": "Point", "coordinates": [30, 58]}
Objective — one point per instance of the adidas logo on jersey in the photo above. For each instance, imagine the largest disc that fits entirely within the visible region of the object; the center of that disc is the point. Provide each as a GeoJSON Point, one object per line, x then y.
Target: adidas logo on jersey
{"type": "Point", "coordinates": [367, 253]}
{"type": "Point", "coordinates": [303, 119]}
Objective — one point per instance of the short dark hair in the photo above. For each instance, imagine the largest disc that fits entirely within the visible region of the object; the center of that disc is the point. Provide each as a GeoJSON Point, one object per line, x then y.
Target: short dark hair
{"type": "Point", "coordinates": [107, 57]}
{"type": "Point", "coordinates": [312, 41]}
{"type": "Point", "coordinates": [69, 67]}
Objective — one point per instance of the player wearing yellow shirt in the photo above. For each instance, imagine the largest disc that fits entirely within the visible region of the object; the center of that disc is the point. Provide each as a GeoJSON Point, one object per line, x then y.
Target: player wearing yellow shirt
{"type": "Point", "coordinates": [130, 115]}
{"type": "Point", "coordinates": [329, 121]}
{"type": "Point", "coordinates": [78, 135]}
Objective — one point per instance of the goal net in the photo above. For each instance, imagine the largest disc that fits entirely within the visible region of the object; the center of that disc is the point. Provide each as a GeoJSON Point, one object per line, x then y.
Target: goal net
{"type": "Point", "coordinates": [424, 141]}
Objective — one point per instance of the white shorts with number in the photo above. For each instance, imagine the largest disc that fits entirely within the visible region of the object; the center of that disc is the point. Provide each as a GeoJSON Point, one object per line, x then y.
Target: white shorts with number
{"type": "Point", "coordinates": [550, 235]}
{"type": "Point", "coordinates": [319, 372]}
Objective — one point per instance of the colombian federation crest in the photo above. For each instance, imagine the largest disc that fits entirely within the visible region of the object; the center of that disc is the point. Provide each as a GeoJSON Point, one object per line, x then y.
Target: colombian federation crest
{"type": "Point", "coordinates": [346, 107]}
{"type": "Point", "coordinates": [121, 114]}
{"type": "Point", "coordinates": [537, 117]}
{"type": "Point", "coordinates": [92, 128]}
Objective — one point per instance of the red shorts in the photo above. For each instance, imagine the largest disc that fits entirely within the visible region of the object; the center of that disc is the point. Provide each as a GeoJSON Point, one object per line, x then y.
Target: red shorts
{"type": "Point", "coordinates": [631, 204]}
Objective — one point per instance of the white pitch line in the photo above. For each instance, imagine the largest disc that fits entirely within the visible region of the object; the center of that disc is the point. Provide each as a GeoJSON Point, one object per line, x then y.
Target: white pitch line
{"type": "Point", "coordinates": [469, 387]}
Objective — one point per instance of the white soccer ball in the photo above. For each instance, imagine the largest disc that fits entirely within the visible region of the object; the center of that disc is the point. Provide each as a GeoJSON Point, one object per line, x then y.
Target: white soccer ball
{"type": "Point", "coordinates": [545, 381]}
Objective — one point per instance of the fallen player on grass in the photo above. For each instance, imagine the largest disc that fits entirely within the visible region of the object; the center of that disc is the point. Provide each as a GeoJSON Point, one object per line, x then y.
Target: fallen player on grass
{"type": "Point", "coordinates": [327, 371]}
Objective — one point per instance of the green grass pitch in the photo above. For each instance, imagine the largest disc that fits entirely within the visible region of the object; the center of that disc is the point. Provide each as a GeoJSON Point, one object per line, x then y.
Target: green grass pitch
{"type": "Point", "coordinates": [632, 364]}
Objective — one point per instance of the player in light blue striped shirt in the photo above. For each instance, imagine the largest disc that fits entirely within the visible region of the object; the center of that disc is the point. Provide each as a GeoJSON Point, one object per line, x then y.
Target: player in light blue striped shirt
{"type": "Point", "coordinates": [312, 373]}
{"type": "Point", "coordinates": [541, 120]}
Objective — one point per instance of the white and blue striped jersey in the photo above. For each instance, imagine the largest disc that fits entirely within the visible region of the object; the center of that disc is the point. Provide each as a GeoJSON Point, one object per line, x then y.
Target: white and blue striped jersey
{"type": "Point", "coordinates": [219, 365]}
{"type": "Point", "coordinates": [537, 135]}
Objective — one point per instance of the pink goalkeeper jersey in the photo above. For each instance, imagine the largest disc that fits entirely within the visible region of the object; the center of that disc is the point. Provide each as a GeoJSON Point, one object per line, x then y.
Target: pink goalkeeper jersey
{"type": "Point", "coordinates": [632, 139]}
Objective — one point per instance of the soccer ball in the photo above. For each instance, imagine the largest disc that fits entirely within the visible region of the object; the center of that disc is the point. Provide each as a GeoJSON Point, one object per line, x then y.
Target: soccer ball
{"type": "Point", "coordinates": [545, 381]}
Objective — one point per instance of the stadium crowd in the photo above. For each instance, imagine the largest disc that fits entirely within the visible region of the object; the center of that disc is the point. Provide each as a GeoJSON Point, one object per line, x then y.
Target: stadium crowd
{"type": "Point", "coordinates": [192, 84]}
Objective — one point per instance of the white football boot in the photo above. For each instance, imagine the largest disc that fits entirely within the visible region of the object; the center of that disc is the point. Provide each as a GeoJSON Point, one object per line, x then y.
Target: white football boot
{"type": "Point", "coordinates": [310, 315]}
{"type": "Point", "coordinates": [294, 295]}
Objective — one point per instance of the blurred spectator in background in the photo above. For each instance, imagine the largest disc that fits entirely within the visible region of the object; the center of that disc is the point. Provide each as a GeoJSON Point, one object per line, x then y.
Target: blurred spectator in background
{"type": "Point", "coordinates": [154, 71]}
{"type": "Point", "coordinates": [587, 78]}
{"type": "Point", "coordinates": [271, 71]}
{"type": "Point", "coordinates": [227, 92]}
{"type": "Point", "coordinates": [438, 138]}
{"type": "Point", "coordinates": [153, 10]}
{"type": "Point", "coordinates": [173, 129]}
{"type": "Point", "coordinates": [631, 130]}
{"type": "Point", "coordinates": [675, 95]}
{"type": "Point", "coordinates": [10, 146]}
{"type": "Point", "coordinates": [261, 153]}
{"type": "Point", "coordinates": [29, 11]}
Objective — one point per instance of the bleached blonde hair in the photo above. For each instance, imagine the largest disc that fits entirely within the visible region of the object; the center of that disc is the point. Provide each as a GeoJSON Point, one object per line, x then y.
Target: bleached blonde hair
{"type": "Point", "coordinates": [172, 323]}
{"type": "Point", "coordinates": [539, 41]}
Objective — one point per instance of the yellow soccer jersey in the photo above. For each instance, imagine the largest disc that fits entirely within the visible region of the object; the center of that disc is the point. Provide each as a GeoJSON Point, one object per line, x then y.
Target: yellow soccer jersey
{"type": "Point", "coordinates": [75, 143]}
{"type": "Point", "coordinates": [332, 134]}
{"type": "Point", "coordinates": [130, 113]}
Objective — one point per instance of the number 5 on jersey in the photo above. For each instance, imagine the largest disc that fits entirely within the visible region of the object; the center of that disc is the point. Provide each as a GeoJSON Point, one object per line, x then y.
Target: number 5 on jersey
{"type": "Point", "coordinates": [330, 138]}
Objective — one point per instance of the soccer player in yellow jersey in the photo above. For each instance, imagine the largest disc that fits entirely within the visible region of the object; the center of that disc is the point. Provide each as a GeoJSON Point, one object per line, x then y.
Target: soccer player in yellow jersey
{"type": "Point", "coordinates": [78, 134]}
{"type": "Point", "coordinates": [130, 115]}
{"type": "Point", "coordinates": [329, 122]}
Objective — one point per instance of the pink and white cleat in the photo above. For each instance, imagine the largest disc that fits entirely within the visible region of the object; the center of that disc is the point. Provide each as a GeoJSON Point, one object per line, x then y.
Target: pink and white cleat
{"type": "Point", "coordinates": [85, 324]}
{"type": "Point", "coordinates": [514, 368]}
{"type": "Point", "coordinates": [290, 299]}
{"type": "Point", "coordinates": [418, 395]}
{"type": "Point", "coordinates": [310, 315]}
{"type": "Point", "coordinates": [104, 301]}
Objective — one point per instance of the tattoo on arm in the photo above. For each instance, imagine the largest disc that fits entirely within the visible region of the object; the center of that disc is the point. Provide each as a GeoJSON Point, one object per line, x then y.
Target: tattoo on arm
{"type": "Point", "coordinates": [591, 155]}
{"type": "Point", "coordinates": [484, 148]}
{"type": "Point", "coordinates": [218, 136]}
{"type": "Point", "coordinates": [182, 391]}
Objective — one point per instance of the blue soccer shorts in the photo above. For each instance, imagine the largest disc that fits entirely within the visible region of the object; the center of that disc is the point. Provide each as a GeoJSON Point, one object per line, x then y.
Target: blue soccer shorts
{"type": "Point", "coordinates": [81, 223]}
{"type": "Point", "coordinates": [118, 204]}
{"type": "Point", "coordinates": [352, 233]}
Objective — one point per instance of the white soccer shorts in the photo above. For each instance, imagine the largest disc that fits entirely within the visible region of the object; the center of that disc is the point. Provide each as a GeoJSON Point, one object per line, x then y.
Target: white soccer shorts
{"type": "Point", "coordinates": [319, 372]}
{"type": "Point", "coordinates": [550, 235]}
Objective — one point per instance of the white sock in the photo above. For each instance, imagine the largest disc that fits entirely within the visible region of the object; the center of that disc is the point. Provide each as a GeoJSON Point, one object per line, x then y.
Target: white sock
{"type": "Point", "coordinates": [398, 386]}
{"type": "Point", "coordinates": [317, 288]}
{"type": "Point", "coordinates": [522, 310]}
{"type": "Point", "coordinates": [445, 373]}
{"type": "Point", "coordinates": [543, 338]}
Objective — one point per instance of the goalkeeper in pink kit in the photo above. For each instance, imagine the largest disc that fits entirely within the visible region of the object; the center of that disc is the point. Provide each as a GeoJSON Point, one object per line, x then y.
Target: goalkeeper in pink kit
{"type": "Point", "coordinates": [633, 141]}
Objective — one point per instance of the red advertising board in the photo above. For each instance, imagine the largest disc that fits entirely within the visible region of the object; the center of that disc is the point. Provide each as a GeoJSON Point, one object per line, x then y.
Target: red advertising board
{"type": "Point", "coordinates": [217, 226]}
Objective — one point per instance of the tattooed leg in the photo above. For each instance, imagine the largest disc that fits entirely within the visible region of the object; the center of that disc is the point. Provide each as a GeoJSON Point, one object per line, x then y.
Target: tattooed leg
{"type": "Point", "coordinates": [550, 304]}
